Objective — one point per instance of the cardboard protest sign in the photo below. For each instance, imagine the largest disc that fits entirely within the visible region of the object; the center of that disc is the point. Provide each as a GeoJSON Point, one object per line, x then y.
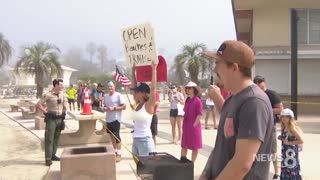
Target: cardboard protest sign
{"type": "Point", "coordinates": [144, 73]}
{"type": "Point", "coordinates": [139, 45]}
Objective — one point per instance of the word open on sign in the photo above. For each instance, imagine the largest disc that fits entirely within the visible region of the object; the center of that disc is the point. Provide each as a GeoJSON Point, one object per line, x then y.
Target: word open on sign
{"type": "Point", "coordinates": [139, 45]}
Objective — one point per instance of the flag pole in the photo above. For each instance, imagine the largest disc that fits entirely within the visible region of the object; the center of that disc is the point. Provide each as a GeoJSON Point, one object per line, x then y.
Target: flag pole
{"type": "Point", "coordinates": [126, 90]}
{"type": "Point", "coordinates": [128, 95]}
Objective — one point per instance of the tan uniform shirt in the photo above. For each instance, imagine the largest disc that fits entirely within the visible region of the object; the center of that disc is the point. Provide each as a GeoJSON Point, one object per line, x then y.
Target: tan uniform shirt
{"type": "Point", "coordinates": [54, 102]}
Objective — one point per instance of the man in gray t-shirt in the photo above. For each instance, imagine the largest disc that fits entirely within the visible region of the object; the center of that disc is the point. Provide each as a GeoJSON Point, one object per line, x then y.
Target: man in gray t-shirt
{"type": "Point", "coordinates": [113, 105]}
{"type": "Point", "coordinates": [243, 144]}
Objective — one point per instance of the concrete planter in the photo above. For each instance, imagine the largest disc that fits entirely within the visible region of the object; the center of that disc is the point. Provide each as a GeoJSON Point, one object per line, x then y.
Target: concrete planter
{"type": "Point", "coordinates": [39, 123]}
{"type": "Point", "coordinates": [84, 163]}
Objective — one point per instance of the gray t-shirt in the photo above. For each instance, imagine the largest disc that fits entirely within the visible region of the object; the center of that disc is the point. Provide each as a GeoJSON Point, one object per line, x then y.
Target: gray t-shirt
{"type": "Point", "coordinates": [115, 100]}
{"type": "Point", "coordinates": [246, 115]}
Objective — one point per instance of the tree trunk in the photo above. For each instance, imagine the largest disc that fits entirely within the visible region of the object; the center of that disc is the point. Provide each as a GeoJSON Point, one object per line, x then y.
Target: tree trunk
{"type": "Point", "coordinates": [39, 91]}
{"type": "Point", "coordinates": [39, 83]}
{"type": "Point", "coordinates": [194, 78]}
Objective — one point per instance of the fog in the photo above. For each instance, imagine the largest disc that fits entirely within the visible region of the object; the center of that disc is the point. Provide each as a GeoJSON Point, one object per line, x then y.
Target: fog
{"type": "Point", "coordinates": [75, 23]}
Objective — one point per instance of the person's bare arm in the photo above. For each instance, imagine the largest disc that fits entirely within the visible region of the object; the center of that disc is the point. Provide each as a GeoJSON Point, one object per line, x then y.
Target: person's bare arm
{"type": "Point", "coordinates": [215, 94]}
{"type": "Point", "coordinates": [197, 121]}
{"type": "Point", "coordinates": [120, 107]}
{"type": "Point", "coordinates": [298, 135]}
{"type": "Point", "coordinates": [41, 107]}
{"type": "Point", "coordinates": [133, 81]}
{"type": "Point", "coordinates": [240, 164]}
{"type": "Point", "coordinates": [153, 90]}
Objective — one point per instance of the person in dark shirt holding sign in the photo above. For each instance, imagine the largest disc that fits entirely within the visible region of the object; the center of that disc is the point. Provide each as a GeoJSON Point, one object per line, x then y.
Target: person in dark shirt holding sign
{"type": "Point", "coordinates": [277, 107]}
{"type": "Point", "coordinates": [245, 128]}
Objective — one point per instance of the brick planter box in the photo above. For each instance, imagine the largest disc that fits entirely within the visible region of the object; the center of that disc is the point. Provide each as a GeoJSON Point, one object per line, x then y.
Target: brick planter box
{"type": "Point", "coordinates": [84, 163]}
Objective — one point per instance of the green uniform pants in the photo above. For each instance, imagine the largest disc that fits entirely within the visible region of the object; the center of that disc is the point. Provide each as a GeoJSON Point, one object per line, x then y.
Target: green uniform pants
{"type": "Point", "coordinates": [51, 137]}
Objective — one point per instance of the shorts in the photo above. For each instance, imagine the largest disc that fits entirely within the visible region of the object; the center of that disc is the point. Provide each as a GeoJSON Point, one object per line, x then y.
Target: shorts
{"type": "Point", "coordinates": [114, 127]}
{"type": "Point", "coordinates": [71, 101]}
{"type": "Point", "coordinates": [274, 141]}
{"type": "Point", "coordinates": [154, 125]}
{"type": "Point", "coordinates": [173, 112]}
{"type": "Point", "coordinates": [142, 146]}
{"type": "Point", "coordinates": [209, 107]}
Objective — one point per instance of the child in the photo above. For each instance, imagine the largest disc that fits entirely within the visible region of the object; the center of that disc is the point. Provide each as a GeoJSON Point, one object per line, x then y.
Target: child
{"type": "Point", "coordinates": [291, 138]}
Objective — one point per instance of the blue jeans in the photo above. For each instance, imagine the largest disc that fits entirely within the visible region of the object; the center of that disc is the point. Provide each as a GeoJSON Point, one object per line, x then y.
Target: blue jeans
{"type": "Point", "coordinates": [142, 146]}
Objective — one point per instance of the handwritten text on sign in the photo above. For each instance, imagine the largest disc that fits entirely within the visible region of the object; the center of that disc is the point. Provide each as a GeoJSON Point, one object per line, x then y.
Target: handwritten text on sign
{"type": "Point", "coordinates": [139, 45]}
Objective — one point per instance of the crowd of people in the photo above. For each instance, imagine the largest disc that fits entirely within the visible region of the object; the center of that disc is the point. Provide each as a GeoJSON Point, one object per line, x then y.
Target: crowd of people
{"type": "Point", "coordinates": [248, 112]}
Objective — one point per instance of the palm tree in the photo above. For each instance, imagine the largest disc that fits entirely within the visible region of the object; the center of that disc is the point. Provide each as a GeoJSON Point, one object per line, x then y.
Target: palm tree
{"type": "Point", "coordinates": [40, 60]}
{"type": "Point", "coordinates": [180, 69]}
{"type": "Point", "coordinates": [5, 50]}
{"type": "Point", "coordinates": [189, 59]}
{"type": "Point", "coordinates": [91, 49]}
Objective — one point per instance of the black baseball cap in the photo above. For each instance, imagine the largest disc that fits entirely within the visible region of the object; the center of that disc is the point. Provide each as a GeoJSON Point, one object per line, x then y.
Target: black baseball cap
{"type": "Point", "coordinates": [141, 87]}
{"type": "Point", "coordinates": [258, 79]}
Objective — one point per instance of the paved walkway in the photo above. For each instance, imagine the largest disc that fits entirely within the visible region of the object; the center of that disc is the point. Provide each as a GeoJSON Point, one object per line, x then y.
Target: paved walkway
{"type": "Point", "coordinates": [23, 158]}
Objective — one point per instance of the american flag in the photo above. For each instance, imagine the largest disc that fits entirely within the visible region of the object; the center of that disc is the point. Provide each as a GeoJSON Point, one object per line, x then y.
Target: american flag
{"type": "Point", "coordinates": [118, 76]}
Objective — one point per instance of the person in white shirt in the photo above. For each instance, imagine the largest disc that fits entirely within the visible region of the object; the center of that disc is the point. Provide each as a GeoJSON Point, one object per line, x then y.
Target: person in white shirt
{"type": "Point", "coordinates": [176, 99]}
{"type": "Point", "coordinates": [145, 97]}
{"type": "Point", "coordinates": [210, 108]}
{"type": "Point", "coordinates": [113, 105]}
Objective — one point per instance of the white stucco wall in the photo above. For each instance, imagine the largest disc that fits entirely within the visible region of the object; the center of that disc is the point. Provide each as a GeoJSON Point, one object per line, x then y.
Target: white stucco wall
{"type": "Point", "coordinates": [277, 73]}
{"type": "Point", "coordinates": [309, 76]}
{"type": "Point", "coordinates": [24, 80]}
{"type": "Point", "coordinates": [28, 80]}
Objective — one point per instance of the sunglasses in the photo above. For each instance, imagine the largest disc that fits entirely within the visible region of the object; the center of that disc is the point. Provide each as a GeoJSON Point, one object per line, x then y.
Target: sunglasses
{"type": "Point", "coordinates": [173, 87]}
{"type": "Point", "coordinates": [188, 87]}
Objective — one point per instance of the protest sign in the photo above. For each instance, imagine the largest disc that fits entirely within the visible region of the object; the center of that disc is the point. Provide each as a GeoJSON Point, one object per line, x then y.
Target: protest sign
{"type": "Point", "coordinates": [139, 45]}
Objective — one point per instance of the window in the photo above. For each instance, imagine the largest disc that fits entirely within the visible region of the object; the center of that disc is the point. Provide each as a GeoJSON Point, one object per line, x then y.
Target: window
{"type": "Point", "coordinates": [309, 26]}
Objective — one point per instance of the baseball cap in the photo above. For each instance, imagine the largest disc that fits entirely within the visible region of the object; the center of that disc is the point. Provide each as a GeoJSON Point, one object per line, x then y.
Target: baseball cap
{"type": "Point", "coordinates": [141, 87]}
{"type": "Point", "coordinates": [258, 79]}
{"type": "Point", "coordinates": [234, 52]}
{"type": "Point", "coordinates": [287, 112]}
{"type": "Point", "coordinates": [100, 85]}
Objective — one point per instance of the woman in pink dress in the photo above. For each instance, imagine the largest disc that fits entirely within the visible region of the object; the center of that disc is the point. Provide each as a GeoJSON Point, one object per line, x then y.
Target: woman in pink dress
{"type": "Point", "coordinates": [191, 129]}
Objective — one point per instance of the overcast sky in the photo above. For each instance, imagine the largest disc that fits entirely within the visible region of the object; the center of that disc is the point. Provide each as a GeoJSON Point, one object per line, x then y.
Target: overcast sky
{"type": "Point", "coordinates": [68, 23]}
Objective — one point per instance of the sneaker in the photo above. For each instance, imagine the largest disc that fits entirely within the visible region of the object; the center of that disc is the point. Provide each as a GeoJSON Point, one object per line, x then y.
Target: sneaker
{"type": "Point", "coordinates": [55, 158]}
{"type": "Point", "coordinates": [118, 158]}
{"type": "Point", "coordinates": [48, 162]}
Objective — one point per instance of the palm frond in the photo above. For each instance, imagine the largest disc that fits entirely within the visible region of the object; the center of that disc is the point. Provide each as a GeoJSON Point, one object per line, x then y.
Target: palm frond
{"type": "Point", "coordinates": [5, 50]}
